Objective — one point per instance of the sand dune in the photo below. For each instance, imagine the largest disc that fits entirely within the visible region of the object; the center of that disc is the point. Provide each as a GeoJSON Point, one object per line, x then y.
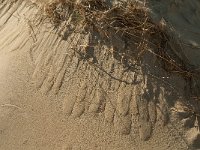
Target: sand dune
{"type": "Point", "coordinates": [53, 98]}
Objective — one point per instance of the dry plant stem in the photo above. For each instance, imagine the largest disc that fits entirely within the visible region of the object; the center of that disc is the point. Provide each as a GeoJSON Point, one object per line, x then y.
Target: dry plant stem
{"type": "Point", "coordinates": [10, 105]}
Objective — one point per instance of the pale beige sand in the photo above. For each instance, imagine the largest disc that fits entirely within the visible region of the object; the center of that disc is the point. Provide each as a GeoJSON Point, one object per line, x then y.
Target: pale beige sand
{"type": "Point", "coordinates": [51, 101]}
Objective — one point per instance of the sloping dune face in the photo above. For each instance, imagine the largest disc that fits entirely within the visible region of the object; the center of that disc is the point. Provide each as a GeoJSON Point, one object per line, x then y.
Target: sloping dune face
{"type": "Point", "coordinates": [67, 83]}
{"type": "Point", "coordinates": [184, 18]}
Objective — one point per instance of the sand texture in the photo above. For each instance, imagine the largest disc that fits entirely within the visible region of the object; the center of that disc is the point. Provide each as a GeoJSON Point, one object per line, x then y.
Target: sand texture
{"type": "Point", "coordinates": [57, 92]}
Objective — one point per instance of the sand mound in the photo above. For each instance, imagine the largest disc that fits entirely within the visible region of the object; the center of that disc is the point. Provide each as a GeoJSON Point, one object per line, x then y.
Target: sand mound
{"type": "Point", "coordinates": [90, 75]}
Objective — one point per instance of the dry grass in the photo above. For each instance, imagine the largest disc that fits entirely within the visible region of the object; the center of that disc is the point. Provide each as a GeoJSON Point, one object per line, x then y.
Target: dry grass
{"type": "Point", "coordinates": [129, 21]}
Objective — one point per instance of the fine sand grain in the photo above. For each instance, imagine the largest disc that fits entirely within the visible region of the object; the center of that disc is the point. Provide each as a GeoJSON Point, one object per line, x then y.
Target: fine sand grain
{"type": "Point", "coordinates": [51, 99]}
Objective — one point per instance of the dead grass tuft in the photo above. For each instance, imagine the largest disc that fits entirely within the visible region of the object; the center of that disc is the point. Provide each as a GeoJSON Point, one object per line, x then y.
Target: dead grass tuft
{"type": "Point", "coordinates": [129, 23]}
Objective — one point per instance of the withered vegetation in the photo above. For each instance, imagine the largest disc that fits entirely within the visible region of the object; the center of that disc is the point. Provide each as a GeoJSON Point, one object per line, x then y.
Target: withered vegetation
{"type": "Point", "coordinates": [129, 22]}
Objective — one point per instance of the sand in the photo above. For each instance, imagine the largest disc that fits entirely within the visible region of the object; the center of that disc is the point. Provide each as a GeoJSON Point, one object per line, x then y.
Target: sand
{"type": "Point", "coordinates": [183, 17]}
{"type": "Point", "coordinates": [50, 100]}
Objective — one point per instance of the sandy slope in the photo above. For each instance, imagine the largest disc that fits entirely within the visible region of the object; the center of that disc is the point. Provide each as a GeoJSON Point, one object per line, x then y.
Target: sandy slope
{"type": "Point", "coordinates": [51, 100]}
{"type": "Point", "coordinates": [184, 17]}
